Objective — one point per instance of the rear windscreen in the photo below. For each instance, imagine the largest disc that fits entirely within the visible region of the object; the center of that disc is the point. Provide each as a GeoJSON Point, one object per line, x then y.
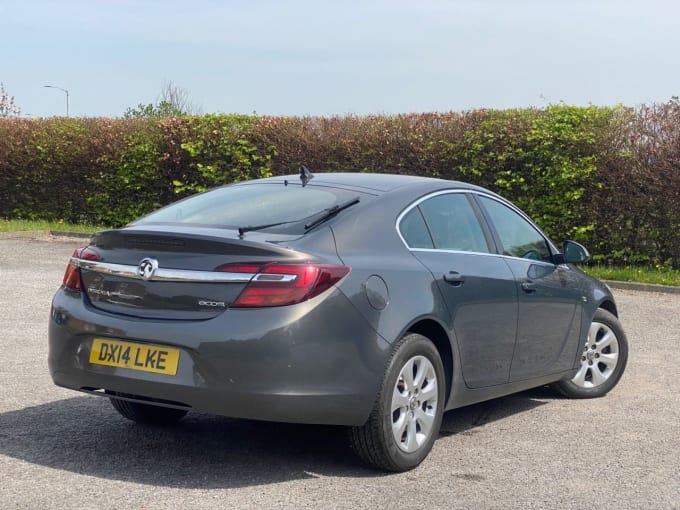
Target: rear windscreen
{"type": "Point", "coordinates": [250, 205]}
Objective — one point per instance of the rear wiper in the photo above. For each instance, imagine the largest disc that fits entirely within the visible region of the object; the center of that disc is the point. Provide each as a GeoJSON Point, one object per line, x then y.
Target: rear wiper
{"type": "Point", "coordinates": [325, 214]}
{"type": "Point", "coordinates": [243, 230]}
{"type": "Point", "coordinates": [330, 212]}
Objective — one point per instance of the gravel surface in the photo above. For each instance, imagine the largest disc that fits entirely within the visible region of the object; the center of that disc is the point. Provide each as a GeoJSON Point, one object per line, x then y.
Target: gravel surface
{"type": "Point", "coordinates": [63, 449]}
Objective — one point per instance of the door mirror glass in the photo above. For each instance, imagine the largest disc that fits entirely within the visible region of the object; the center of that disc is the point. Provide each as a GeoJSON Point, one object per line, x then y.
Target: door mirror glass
{"type": "Point", "coordinates": [574, 253]}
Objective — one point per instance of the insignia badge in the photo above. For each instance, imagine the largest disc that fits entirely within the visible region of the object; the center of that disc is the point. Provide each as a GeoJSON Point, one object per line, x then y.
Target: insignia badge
{"type": "Point", "coordinates": [147, 267]}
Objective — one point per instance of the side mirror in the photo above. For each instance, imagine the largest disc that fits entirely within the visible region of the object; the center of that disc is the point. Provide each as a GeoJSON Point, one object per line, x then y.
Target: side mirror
{"type": "Point", "coordinates": [574, 253]}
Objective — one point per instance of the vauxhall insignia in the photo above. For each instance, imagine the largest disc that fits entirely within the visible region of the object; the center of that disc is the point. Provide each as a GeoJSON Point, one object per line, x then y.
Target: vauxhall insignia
{"type": "Point", "coordinates": [147, 267]}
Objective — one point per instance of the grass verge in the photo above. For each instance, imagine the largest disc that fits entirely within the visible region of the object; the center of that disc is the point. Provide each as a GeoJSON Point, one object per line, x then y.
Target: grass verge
{"type": "Point", "coordinates": [655, 275]}
{"type": "Point", "coordinates": [28, 225]}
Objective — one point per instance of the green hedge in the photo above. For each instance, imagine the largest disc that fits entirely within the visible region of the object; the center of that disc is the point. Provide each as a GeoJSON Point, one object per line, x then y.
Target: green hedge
{"type": "Point", "coordinates": [608, 177]}
{"type": "Point", "coordinates": [108, 171]}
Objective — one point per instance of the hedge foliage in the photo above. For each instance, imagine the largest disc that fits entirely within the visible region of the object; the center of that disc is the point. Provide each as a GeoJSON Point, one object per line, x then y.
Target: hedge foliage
{"type": "Point", "coordinates": [608, 177]}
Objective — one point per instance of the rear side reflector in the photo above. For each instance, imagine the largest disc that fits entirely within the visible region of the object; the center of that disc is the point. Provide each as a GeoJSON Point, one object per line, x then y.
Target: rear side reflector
{"type": "Point", "coordinates": [277, 284]}
{"type": "Point", "coordinates": [72, 274]}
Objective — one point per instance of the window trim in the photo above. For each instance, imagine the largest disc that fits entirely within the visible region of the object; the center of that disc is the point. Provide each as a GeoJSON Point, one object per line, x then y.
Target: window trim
{"type": "Point", "coordinates": [481, 219]}
{"type": "Point", "coordinates": [488, 228]}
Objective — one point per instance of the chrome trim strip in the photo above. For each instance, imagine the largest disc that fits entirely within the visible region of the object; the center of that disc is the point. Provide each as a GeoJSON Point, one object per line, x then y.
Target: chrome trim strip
{"type": "Point", "coordinates": [274, 278]}
{"type": "Point", "coordinates": [500, 255]}
{"type": "Point", "coordinates": [501, 200]}
{"type": "Point", "coordinates": [169, 275]}
{"type": "Point", "coordinates": [441, 250]}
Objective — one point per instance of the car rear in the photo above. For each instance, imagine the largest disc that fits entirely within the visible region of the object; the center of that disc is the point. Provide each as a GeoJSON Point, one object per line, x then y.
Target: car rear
{"type": "Point", "coordinates": [198, 307]}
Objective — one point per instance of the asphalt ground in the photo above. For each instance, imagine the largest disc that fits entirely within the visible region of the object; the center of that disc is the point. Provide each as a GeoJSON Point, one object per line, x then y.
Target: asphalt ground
{"type": "Point", "coordinates": [63, 449]}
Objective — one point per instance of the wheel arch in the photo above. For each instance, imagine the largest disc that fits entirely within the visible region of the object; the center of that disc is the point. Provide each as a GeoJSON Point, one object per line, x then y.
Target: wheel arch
{"type": "Point", "coordinates": [436, 333]}
{"type": "Point", "coordinates": [610, 307]}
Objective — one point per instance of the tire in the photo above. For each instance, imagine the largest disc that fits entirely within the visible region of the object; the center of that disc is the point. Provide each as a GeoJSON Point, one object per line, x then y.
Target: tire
{"type": "Point", "coordinates": [406, 417]}
{"type": "Point", "coordinates": [603, 359]}
{"type": "Point", "coordinates": [147, 414]}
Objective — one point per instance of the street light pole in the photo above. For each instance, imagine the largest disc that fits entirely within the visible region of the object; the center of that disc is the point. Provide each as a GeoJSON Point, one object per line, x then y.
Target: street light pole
{"type": "Point", "coordinates": [63, 90]}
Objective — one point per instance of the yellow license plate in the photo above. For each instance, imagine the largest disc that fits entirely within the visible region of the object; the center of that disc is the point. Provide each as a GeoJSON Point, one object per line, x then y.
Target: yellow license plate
{"type": "Point", "coordinates": [147, 358]}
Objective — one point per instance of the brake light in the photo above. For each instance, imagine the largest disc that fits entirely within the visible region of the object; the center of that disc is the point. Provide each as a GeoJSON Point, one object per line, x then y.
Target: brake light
{"type": "Point", "coordinates": [277, 284]}
{"type": "Point", "coordinates": [72, 274]}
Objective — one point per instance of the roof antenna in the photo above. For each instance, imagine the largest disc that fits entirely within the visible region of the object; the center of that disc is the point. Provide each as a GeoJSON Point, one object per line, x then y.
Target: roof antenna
{"type": "Point", "coordinates": [305, 175]}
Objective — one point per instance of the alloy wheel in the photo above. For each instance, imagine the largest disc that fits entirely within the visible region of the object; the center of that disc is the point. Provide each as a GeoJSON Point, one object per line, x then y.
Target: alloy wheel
{"type": "Point", "coordinates": [599, 357]}
{"type": "Point", "coordinates": [414, 404]}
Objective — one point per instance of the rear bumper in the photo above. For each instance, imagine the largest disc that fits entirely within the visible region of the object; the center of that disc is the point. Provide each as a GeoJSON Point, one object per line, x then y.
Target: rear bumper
{"type": "Point", "coordinates": [316, 362]}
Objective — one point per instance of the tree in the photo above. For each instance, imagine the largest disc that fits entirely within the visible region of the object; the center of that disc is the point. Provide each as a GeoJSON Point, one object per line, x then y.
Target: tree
{"type": "Point", "coordinates": [7, 106]}
{"type": "Point", "coordinates": [172, 102]}
{"type": "Point", "coordinates": [178, 98]}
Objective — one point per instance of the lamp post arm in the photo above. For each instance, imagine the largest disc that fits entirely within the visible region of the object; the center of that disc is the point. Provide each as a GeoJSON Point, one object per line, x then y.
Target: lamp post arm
{"type": "Point", "coordinates": [65, 91]}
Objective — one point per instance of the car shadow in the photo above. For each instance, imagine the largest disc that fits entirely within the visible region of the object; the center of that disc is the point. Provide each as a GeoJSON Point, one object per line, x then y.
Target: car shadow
{"type": "Point", "coordinates": [85, 435]}
{"type": "Point", "coordinates": [468, 420]}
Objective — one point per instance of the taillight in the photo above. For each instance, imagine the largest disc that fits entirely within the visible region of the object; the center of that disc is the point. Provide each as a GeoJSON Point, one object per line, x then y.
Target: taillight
{"type": "Point", "coordinates": [72, 274]}
{"type": "Point", "coordinates": [284, 284]}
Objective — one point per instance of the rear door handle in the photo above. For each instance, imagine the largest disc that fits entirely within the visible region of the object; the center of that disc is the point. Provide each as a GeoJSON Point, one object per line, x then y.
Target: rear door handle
{"type": "Point", "coordinates": [454, 278]}
{"type": "Point", "coordinates": [529, 287]}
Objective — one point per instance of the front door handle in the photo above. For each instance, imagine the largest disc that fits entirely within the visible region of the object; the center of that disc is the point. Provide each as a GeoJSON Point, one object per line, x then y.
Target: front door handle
{"type": "Point", "coordinates": [529, 287]}
{"type": "Point", "coordinates": [454, 278]}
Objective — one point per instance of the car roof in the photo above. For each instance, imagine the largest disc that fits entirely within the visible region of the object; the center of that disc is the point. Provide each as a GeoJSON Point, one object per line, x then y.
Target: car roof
{"type": "Point", "coordinates": [371, 182]}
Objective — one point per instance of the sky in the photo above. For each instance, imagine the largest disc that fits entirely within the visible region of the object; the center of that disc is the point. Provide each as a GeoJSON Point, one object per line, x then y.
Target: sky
{"type": "Point", "coordinates": [328, 57]}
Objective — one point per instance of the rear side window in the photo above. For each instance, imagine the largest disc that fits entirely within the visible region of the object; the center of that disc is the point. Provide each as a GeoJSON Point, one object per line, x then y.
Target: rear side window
{"type": "Point", "coordinates": [414, 231]}
{"type": "Point", "coordinates": [518, 236]}
{"type": "Point", "coordinates": [250, 205]}
{"type": "Point", "coordinates": [453, 223]}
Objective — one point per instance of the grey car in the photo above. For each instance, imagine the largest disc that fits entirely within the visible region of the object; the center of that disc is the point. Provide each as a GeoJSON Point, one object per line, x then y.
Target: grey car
{"type": "Point", "coordinates": [372, 301]}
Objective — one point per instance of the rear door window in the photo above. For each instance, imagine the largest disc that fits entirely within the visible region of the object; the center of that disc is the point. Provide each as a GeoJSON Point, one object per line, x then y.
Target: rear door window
{"type": "Point", "coordinates": [454, 224]}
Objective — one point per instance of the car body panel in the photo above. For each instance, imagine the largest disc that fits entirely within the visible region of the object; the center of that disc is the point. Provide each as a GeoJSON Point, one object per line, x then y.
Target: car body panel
{"type": "Point", "coordinates": [549, 325]}
{"type": "Point", "coordinates": [242, 363]}
{"type": "Point", "coordinates": [487, 288]}
{"type": "Point", "coordinates": [199, 250]}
